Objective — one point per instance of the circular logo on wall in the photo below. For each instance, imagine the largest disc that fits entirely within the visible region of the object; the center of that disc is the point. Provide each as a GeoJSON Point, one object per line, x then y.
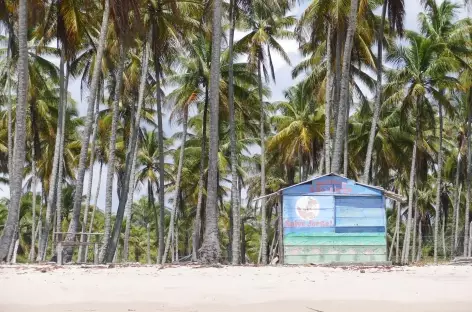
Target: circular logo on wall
{"type": "Point", "coordinates": [307, 208]}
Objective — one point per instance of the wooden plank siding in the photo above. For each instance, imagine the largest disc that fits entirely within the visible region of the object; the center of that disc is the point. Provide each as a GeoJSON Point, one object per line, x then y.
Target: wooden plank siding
{"type": "Point", "coordinates": [323, 227]}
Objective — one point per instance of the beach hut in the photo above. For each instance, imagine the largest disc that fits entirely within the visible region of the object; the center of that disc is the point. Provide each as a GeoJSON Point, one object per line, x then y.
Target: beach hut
{"type": "Point", "coordinates": [334, 220]}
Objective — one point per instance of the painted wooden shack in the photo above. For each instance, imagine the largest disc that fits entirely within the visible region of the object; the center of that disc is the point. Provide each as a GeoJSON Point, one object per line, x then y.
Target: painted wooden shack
{"type": "Point", "coordinates": [332, 219]}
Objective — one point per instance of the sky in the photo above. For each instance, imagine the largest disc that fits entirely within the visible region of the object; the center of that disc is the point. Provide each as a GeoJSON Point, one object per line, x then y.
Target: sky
{"type": "Point", "coordinates": [283, 82]}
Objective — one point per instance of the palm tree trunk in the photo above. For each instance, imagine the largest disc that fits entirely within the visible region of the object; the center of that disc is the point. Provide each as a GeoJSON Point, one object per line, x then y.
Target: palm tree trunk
{"type": "Point", "coordinates": [411, 188]}
{"type": "Point", "coordinates": [415, 223]}
{"type": "Point", "coordinates": [378, 97]}
{"type": "Point", "coordinates": [328, 100]}
{"type": "Point", "coordinates": [201, 182]}
{"type": "Point", "coordinates": [469, 180]}
{"type": "Point", "coordinates": [235, 208]}
{"type": "Point", "coordinates": [83, 237]}
{"type": "Point", "coordinates": [161, 158]}
{"type": "Point", "coordinates": [420, 241]}
{"type": "Point", "coordinates": [263, 177]}
{"type": "Point", "coordinates": [53, 181]}
{"type": "Point", "coordinates": [443, 235]}
{"type": "Point", "coordinates": [390, 254]}
{"type": "Point", "coordinates": [346, 142]}
{"type": "Point", "coordinates": [73, 225]}
{"type": "Point", "coordinates": [342, 115]}
{"type": "Point", "coordinates": [9, 99]}
{"type": "Point", "coordinates": [112, 156]}
{"type": "Point", "coordinates": [439, 186]}
{"type": "Point", "coordinates": [340, 37]}
{"type": "Point", "coordinates": [33, 208]}
{"type": "Point", "coordinates": [210, 251]}
{"type": "Point", "coordinates": [60, 172]}
{"type": "Point", "coordinates": [148, 248]}
{"type": "Point", "coordinates": [455, 218]}
{"type": "Point", "coordinates": [397, 230]}
{"type": "Point", "coordinates": [469, 254]}
{"type": "Point", "coordinates": [178, 183]}
{"type": "Point", "coordinates": [94, 209]}
{"type": "Point", "coordinates": [19, 150]}
{"type": "Point", "coordinates": [128, 212]}
{"type": "Point", "coordinates": [128, 181]}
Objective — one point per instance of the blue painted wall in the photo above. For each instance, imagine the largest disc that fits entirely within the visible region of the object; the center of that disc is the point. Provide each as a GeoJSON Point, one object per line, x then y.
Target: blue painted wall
{"type": "Point", "coordinates": [332, 219]}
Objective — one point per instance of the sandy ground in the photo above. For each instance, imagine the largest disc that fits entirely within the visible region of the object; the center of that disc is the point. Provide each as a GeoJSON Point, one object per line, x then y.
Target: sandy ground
{"type": "Point", "coordinates": [251, 289]}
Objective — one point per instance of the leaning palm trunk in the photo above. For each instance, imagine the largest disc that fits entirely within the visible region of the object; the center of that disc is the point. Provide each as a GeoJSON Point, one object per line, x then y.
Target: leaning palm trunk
{"type": "Point", "coordinates": [53, 181]}
{"type": "Point", "coordinates": [178, 183]}
{"type": "Point", "coordinates": [201, 182]}
{"type": "Point", "coordinates": [236, 235]}
{"type": "Point", "coordinates": [469, 182]}
{"type": "Point", "coordinates": [439, 186]}
{"type": "Point", "coordinates": [130, 159]}
{"type": "Point", "coordinates": [342, 114]}
{"type": "Point", "coordinates": [129, 208]}
{"type": "Point", "coordinates": [93, 211]}
{"type": "Point", "coordinates": [263, 177]}
{"type": "Point", "coordinates": [406, 244]}
{"type": "Point", "coordinates": [33, 208]}
{"type": "Point", "coordinates": [112, 155]}
{"type": "Point", "coordinates": [19, 150]}
{"type": "Point", "coordinates": [328, 100]}
{"type": "Point", "coordinates": [378, 97]}
{"type": "Point", "coordinates": [83, 237]}
{"type": "Point", "coordinates": [390, 254]}
{"type": "Point", "coordinates": [73, 225]}
{"type": "Point", "coordinates": [210, 251]}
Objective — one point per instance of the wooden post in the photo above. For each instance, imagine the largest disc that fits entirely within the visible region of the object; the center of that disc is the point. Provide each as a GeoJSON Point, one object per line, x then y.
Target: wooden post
{"type": "Point", "coordinates": [95, 253]}
{"type": "Point", "coordinates": [281, 229]}
{"type": "Point", "coordinates": [59, 253]}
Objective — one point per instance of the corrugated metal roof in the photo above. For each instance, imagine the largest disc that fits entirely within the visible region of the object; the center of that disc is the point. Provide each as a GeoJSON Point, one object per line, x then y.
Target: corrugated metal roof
{"type": "Point", "coordinates": [388, 194]}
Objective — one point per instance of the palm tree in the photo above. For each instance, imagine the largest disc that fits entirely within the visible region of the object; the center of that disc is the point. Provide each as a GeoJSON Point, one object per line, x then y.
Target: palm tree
{"type": "Point", "coordinates": [396, 14]}
{"type": "Point", "coordinates": [423, 73]}
{"type": "Point", "coordinates": [210, 250]}
{"type": "Point", "coordinates": [344, 90]}
{"type": "Point", "coordinates": [73, 225]}
{"type": "Point", "coordinates": [265, 28]}
{"type": "Point", "coordinates": [16, 176]}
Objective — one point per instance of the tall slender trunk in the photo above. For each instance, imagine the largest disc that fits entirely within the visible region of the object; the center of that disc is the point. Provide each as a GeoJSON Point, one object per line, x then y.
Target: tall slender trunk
{"type": "Point", "coordinates": [263, 177]}
{"type": "Point", "coordinates": [157, 68]}
{"type": "Point", "coordinates": [94, 208]}
{"type": "Point", "coordinates": [346, 142]}
{"type": "Point", "coordinates": [148, 247]}
{"type": "Point", "coordinates": [235, 208]}
{"type": "Point", "coordinates": [394, 237]}
{"type": "Point", "coordinates": [83, 237]}
{"type": "Point", "coordinates": [33, 208]}
{"type": "Point", "coordinates": [128, 210]}
{"type": "Point", "coordinates": [60, 172]}
{"type": "Point", "coordinates": [411, 188]}
{"type": "Point", "coordinates": [420, 241]}
{"type": "Point", "coordinates": [210, 251]}
{"type": "Point", "coordinates": [19, 150]}
{"type": "Point", "coordinates": [415, 222]}
{"type": "Point", "coordinates": [340, 37]}
{"type": "Point", "coordinates": [9, 99]}
{"type": "Point", "coordinates": [201, 182]}
{"type": "Point", "coordinates": [341, 123]}
{"type": "Point", "coordinates": [128, 181]}
{"type": "Point", "coordinates": [73, 225]}
{"type": "Point", "coordinates": [152, 207]}
{"type": "Point", "coordinates": [39, 227]}
{"type": "Point", "coordinates": [397, 230]}
{"type": "Point", "coordinates": [439, 186]}
{"type": "Point", "coordinates": [178, 182]}
{"type": "Point", "coordinates": [469, 254]}
{"type": "Point", "coordinates": [455, 218]}
{"type": "Point", "coordinates": [53, 180]}
{"type": "Point", "coordinates": [328, 100]}
{"type": "Point", "coordinates": [112, 154]}
{"type": "Point", "coordinates": [443, 234]}
{"type": "Point", "coordinates": [378, 96]}
{"type": "Point", "coordinates": [469, 177]}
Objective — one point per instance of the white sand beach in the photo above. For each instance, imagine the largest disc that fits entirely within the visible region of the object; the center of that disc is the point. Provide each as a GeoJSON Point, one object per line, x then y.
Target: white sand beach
{"type": "Point", "coordinates": [275, 289]}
